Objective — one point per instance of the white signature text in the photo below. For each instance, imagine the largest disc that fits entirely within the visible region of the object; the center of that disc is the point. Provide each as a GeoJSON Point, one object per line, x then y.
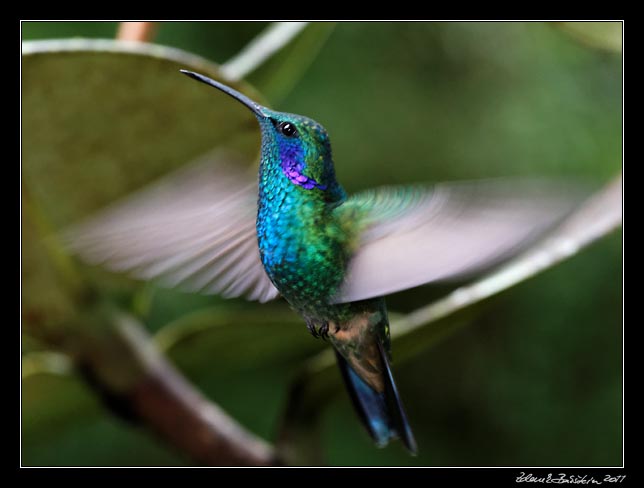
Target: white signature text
{"type": "Point", "coordinates": [563, 478]}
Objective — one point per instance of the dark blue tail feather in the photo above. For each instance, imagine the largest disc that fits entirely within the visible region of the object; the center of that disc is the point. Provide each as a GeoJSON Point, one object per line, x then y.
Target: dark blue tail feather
{"type": "Point", "coordinates": [381, 413]}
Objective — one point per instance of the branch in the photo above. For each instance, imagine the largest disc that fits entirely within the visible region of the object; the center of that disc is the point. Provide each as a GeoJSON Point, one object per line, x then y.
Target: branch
{"type": "Point", "coordinates": [119, 360]}
{"type": "Point", "coordinates": [137, 384]}
{"type": "Point", "coordinates": [169, 405]}
{"type": "Point", "coordinates": [136, 31]}
{"type": "Point", "coordinates": [597, 217]}
{"type": "Point", "coordinates": [262, 47]}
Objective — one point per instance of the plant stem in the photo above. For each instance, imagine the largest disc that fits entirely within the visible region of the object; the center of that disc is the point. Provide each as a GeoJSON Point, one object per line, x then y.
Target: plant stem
{"type": "Point", "coordinates": [597, 217]}
{"type": "Point", "coordinates": [267, 43]}
{"type": "Point", "coordinates": [136, 31]}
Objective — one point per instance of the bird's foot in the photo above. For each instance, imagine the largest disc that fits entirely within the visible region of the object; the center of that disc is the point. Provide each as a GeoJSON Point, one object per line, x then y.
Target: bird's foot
{"type": "Point", "coordinates": [321, 331]}
{"type": "Point", "coordinates": [311, 327]}
{"type": "Point", "coordinates": [324, 330]}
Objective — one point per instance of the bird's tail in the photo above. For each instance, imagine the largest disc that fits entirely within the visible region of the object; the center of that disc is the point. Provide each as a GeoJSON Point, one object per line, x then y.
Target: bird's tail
{"type": "Point", "coordinates": [381, 412]}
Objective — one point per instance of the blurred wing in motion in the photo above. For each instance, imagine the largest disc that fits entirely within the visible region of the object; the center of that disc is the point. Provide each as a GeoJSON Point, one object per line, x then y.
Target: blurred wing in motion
{"type": "Point", "coordinates": [413, 235]}
{"type": "Point", "coordinates": [195, 230]}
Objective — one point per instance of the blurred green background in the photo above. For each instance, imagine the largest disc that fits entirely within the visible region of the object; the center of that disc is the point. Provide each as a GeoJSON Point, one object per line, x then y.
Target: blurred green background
{"type": "Point", "coordinates": [535, 379]}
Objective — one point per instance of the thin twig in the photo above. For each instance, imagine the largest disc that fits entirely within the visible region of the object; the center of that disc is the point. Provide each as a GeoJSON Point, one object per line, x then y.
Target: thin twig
{"type": "Point", "coordinates": [136, 31]}
{"type": "Point", "coordinates": [597, 217]}
{"type": "Point", "coordinates": [262, 47]}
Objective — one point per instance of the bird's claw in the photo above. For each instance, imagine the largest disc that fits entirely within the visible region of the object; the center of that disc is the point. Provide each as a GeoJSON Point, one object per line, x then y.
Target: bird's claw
{"type": "Point", "coordinates": [321, 331]}
{"type": "Point", "coordinates": [311, 327]}
{"type": "Point", "coordinates": [324, 330]}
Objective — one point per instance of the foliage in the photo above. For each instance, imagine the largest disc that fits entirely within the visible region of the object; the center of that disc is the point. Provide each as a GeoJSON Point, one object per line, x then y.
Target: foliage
{"type": "Point", "coordinates": [403, 102]}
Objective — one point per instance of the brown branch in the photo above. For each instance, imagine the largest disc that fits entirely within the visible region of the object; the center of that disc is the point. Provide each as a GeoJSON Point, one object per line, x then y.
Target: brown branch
{"type": "Point", "coordinates": [172, 408]}
{"type": "Point", "coordinates": [120, 362]}
{"type": "Point", "coordinates": [136, 381]}
{"type": "Point", "coordinates": [136, 31]}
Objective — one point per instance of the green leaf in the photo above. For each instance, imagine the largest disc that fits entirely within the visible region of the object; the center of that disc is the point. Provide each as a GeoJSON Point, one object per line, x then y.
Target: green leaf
{"type": "Point", "coordinates": [236, 338]}
{"type": "Point", "coordinates": [601, 35]}
{"type": "Point", "coordinates": [99, 120]}
{"type": "Point", "coordinates": [243, 356]}
{"type": "Point", "coordinates": [103, 118]}
{"type": "Point", "coordinates": [42, 297]}
{"type": "Point", "coordinates": [51, 401]}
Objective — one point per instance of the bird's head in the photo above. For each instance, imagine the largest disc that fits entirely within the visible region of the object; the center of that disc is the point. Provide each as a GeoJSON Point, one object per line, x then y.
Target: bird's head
{"type": "Point", "coordinates": [298, 145]}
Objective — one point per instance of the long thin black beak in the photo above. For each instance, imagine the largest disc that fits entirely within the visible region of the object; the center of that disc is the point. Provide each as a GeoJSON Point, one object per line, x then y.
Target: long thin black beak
{"type": "Point", "coordinates": [256, 108]}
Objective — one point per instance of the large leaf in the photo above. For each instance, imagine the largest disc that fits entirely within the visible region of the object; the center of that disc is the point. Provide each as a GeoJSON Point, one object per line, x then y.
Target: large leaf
{"type": "Point", "coordinates": [233, 339]}
{"type": "Point", "coordinates": [243, 356]}
{"type": "Point", "coordinates": [102, 118]}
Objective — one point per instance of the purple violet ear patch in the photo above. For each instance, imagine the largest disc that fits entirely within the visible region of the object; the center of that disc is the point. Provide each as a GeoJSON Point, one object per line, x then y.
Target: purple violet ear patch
{"type": "Point", "coordinates": [293, 171]}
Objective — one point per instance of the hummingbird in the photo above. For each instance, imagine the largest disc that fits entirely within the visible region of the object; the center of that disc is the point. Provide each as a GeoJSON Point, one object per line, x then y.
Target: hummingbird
{"type": "Point", "coordinates": [295, 232]}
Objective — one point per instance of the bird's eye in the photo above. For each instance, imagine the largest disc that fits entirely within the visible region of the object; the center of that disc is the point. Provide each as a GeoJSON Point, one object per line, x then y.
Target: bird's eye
{"type": "Point", "coordinates": [287, 129]}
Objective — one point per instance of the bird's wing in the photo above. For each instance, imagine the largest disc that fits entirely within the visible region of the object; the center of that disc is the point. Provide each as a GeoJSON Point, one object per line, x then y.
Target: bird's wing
{"type": "Point", "coordinates": [195, 230]}
{"type": "Point", "coordinates": [412, 236]}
